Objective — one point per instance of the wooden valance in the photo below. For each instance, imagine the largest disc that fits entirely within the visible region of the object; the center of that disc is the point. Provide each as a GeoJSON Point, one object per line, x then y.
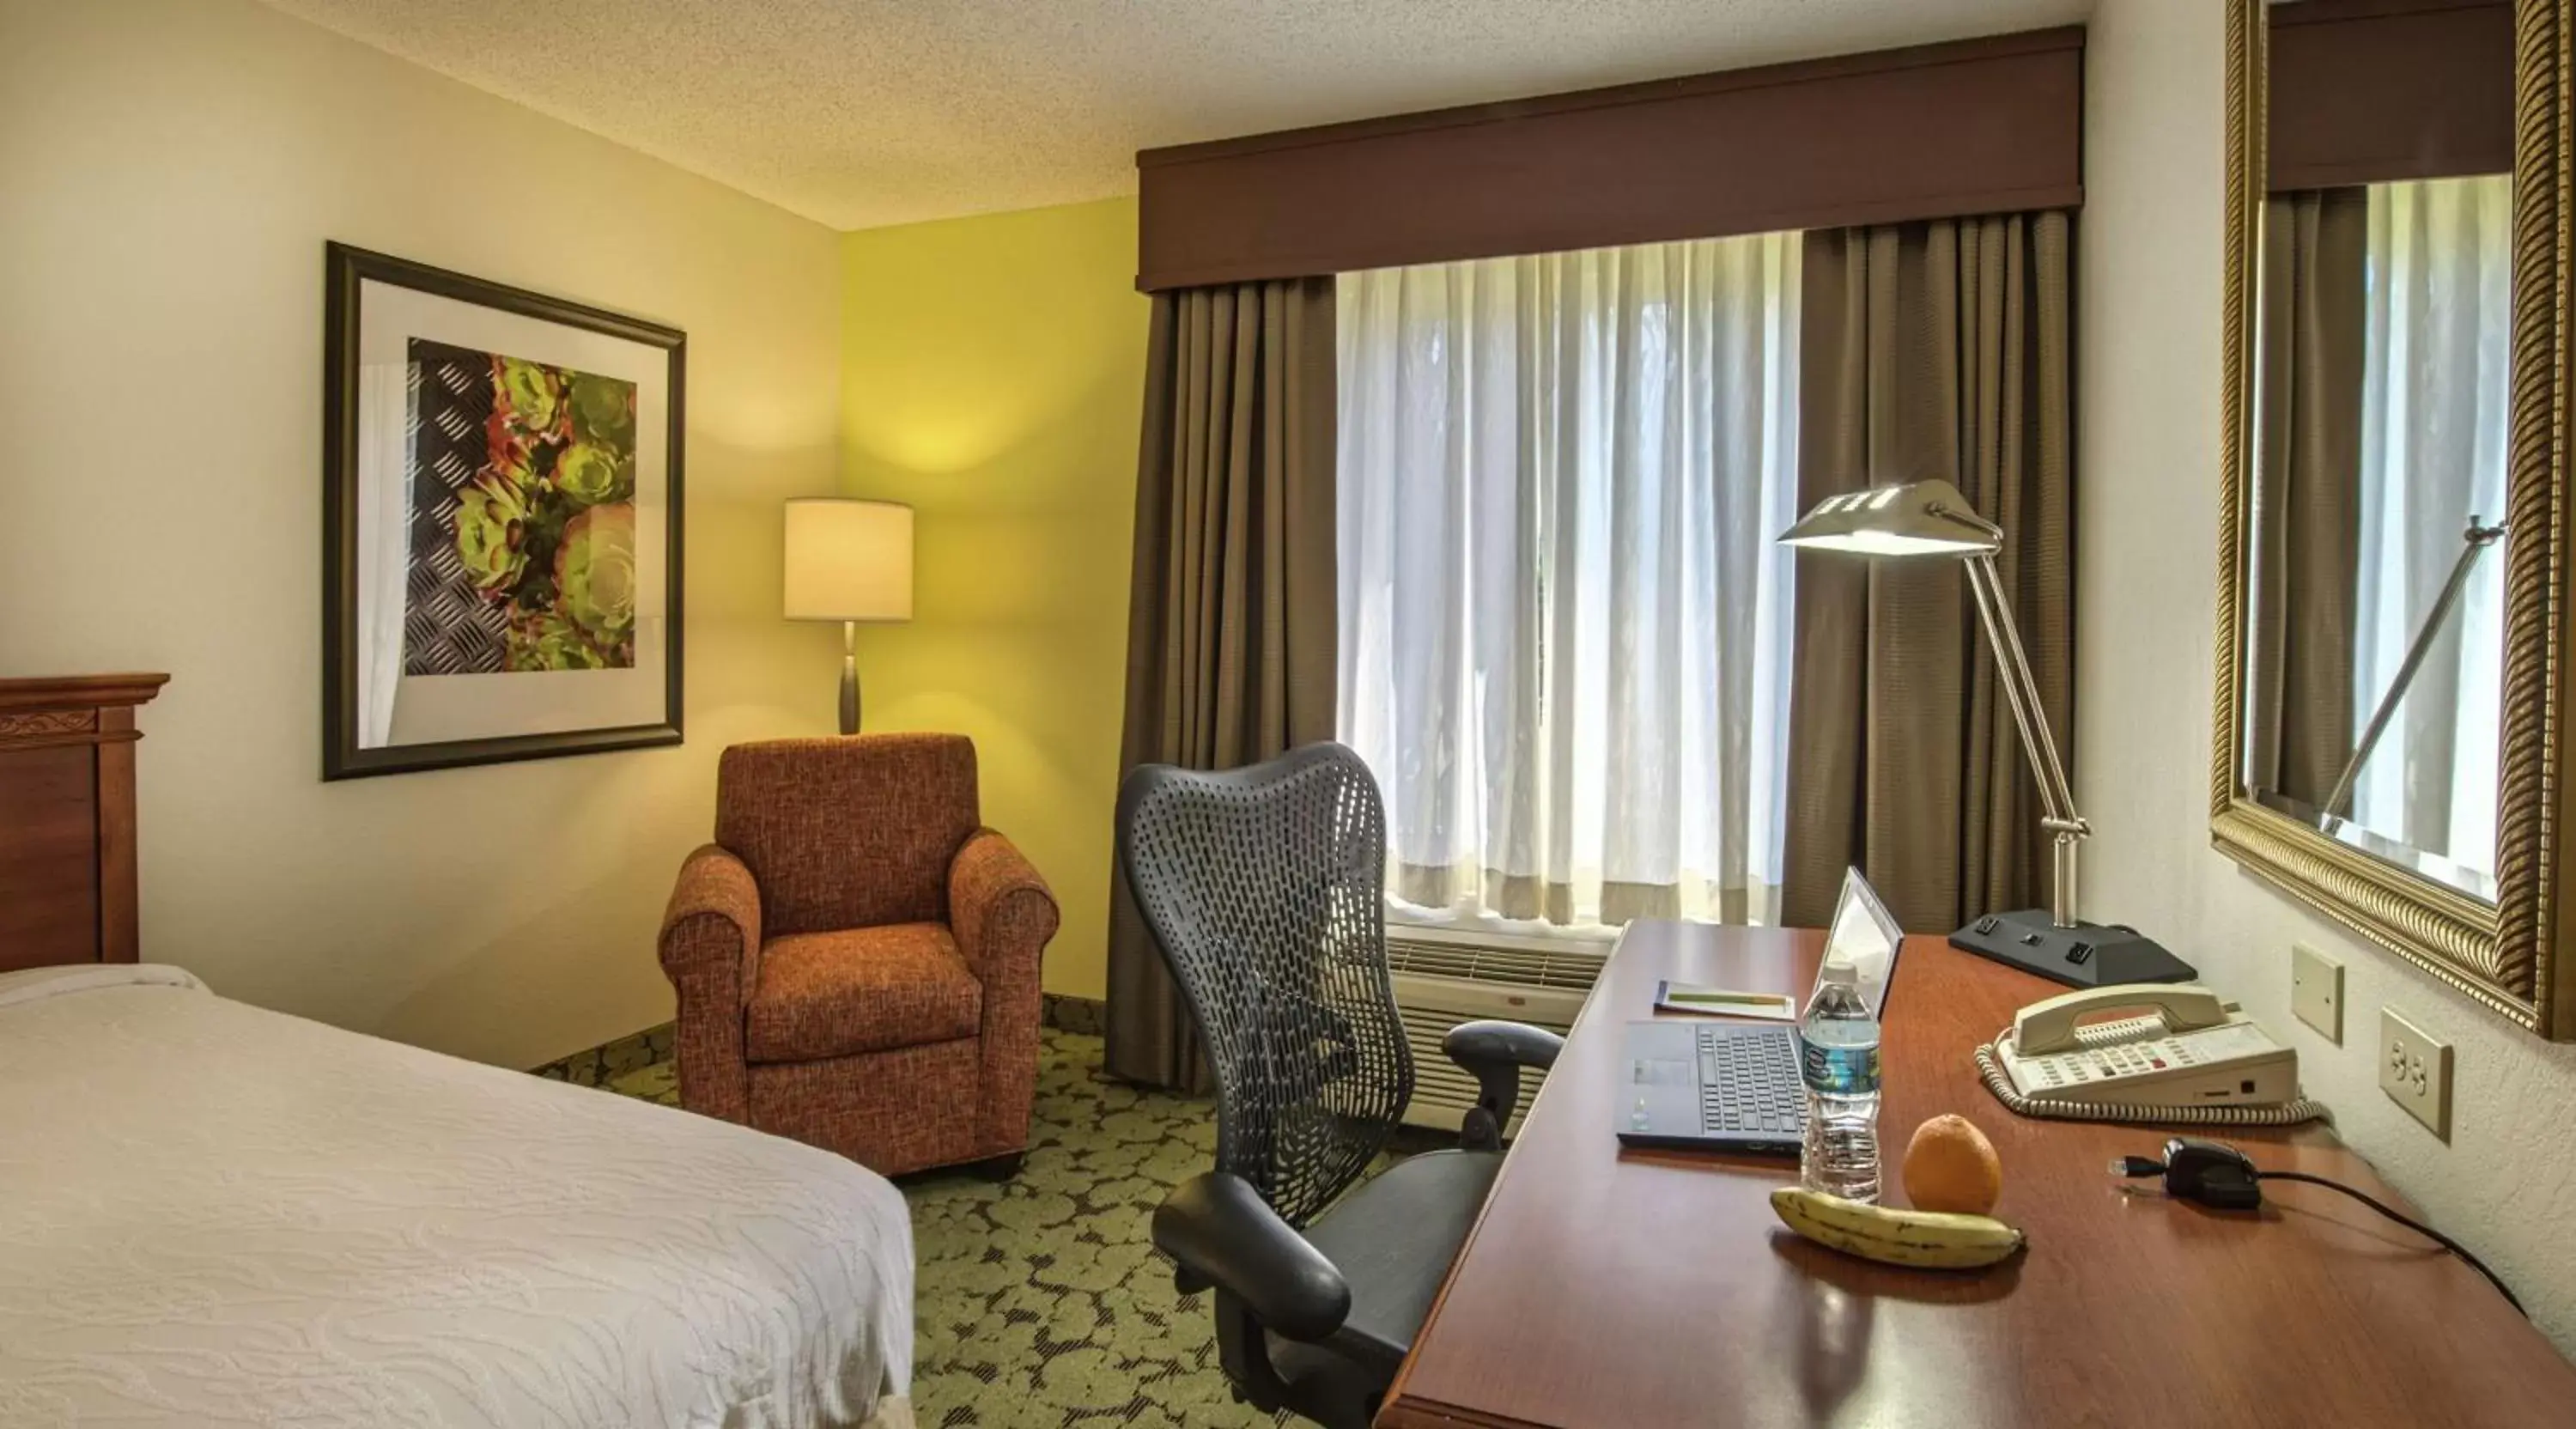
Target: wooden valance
{"type": "Point", "coordinates": [1976, 126]}
{"type": "Point", "coordinates": [2374, 91]}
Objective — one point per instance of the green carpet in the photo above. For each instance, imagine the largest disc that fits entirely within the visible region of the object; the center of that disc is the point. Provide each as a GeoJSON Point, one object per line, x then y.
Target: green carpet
{"type": "Point", "coordinates": [1039, 1302]}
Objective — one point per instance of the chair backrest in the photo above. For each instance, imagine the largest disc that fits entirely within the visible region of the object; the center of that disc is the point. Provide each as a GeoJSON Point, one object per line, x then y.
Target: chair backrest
{"type": "Point", "coordinates": [1264, 887]}
{"type": "Point", "coordinates": [848, 833]}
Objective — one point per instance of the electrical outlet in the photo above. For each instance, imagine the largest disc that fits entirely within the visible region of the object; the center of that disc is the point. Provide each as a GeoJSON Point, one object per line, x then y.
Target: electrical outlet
{"type": "Point", "coordinates": [2316, 991]}
{"type": "Point", "coordinates": [2415, 1071]}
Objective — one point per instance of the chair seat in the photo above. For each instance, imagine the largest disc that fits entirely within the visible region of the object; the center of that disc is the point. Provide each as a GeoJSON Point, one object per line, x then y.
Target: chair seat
{"type": "Point", "coordinates": [859, 990]}
{"type": "Point", "coordinates": [1393, 1238]}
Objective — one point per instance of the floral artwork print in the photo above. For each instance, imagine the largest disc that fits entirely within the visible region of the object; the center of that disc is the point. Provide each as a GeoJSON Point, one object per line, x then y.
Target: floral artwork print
{"type": "Point", "coordinates": [541, 530]}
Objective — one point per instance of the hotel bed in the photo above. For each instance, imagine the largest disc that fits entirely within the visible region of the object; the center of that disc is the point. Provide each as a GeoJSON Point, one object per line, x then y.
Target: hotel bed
{"type": "Point", "coordinates": [213, 1214]}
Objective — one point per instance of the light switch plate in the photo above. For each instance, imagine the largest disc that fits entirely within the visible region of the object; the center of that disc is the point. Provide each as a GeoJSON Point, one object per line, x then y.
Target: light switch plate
{"type": "Point", "coordinates": [2316, 991]}
{"type": "Point", "coordinates": [2415, 1071]}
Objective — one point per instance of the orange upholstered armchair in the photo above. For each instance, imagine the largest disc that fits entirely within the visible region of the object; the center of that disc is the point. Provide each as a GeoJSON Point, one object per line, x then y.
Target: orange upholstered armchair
{"type": "Point", "coordinates": [857, 958]}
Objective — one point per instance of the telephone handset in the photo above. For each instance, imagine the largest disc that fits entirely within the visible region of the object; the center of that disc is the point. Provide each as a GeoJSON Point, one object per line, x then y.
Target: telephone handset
{"type": "Point", "coordinates": [2181, 1047]}
{"type": "Point", "coordinates": [2049, 1026]}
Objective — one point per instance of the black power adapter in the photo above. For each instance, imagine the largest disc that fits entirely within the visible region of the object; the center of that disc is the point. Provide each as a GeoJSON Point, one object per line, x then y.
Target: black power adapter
{"type": "Point", "coordinates": [2210, 1173]}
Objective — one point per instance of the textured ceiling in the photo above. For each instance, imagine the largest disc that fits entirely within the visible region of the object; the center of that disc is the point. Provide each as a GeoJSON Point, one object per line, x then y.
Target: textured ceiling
{"type": "Point", "coordinates": [866, 112]}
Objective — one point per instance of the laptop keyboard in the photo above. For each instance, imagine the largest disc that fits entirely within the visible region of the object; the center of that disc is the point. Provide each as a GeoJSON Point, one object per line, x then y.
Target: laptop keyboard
{"type": "Point", "coordinates": [1748, 1082]}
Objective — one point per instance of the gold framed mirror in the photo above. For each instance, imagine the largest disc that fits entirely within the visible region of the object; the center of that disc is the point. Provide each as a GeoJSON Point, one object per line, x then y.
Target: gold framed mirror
{"type": "Point", "coordinates": [2392, 657]}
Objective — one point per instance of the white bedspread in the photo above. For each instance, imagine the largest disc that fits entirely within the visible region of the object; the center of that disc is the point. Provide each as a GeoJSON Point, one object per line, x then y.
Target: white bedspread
{"type": "Point", "coordinates": [212, 1214]}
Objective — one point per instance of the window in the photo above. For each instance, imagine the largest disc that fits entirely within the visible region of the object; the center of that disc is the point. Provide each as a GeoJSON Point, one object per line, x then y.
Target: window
{"type": "Point", "coordinates": [1564, 626]}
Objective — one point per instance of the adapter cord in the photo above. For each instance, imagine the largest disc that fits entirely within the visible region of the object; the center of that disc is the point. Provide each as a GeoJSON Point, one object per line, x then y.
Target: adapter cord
{"type": "Point", "coordinates": [2215, 1174]}
{"type": "Point", "coordinates": [2412, 1224]}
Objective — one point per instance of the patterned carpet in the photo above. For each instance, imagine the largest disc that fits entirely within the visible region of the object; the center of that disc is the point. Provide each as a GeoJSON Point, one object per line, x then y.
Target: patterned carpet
{"type": "Point", "coordinates": [1040, 1303]}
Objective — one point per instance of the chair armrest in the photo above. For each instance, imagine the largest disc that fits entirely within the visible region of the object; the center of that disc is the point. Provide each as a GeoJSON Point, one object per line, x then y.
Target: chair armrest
{"type": "Point", "coordinates": [713, 919]}
{"type": "Point", "coordinates": [1495, 1052]}
{"type": "Point", "coordinates": [1220, 1231]}
{"type": "Point", "coordinates": [710, 949]}
{"type": "Point", "coordinates": [1001, 914]}
{"type": "Point", "coordinates": [999, 910]}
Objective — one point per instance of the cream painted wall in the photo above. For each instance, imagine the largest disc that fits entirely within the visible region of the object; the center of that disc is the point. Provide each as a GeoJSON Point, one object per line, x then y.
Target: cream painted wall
{"type": "Point", "coordinates": [169, 170]}
{"type": "Point", "coordinates": [2150, 259]}
{"type": "Point", "coordinates": [994, 375]}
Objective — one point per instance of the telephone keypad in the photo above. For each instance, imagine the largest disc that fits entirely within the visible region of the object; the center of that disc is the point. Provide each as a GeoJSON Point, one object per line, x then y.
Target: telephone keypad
{"type": "Point", "coordinates": [2104, 1061]}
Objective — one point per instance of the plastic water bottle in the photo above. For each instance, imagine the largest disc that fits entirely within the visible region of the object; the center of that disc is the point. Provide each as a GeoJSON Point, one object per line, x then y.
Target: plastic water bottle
{"type": "Point", "coordinates": [1838, 1059]}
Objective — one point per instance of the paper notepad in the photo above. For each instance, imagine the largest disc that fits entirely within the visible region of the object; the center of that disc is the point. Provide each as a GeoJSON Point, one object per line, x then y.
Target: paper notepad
{"type": "Point", "coordinates": [1724, 1002]}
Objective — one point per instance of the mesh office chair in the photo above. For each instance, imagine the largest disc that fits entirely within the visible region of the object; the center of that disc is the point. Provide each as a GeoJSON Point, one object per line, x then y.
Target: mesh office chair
{"type": "Point", "coordinates": [1264, 887]}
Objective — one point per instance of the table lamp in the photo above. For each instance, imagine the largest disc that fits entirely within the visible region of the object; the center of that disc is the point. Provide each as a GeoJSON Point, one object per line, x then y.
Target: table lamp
{"type": "Point", "coordinates": [1931, 518]}
{"type": "Point", "coordinates": [849, 561]}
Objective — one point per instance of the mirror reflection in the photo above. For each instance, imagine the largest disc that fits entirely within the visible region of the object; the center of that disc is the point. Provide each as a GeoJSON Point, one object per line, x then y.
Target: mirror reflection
{"type": "Point", "coordinates": [2374, 563]}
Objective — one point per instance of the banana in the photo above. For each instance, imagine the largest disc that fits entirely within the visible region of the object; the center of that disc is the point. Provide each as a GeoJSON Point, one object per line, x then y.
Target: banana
{"type": "Point", "coordinates": [1924, 1239]}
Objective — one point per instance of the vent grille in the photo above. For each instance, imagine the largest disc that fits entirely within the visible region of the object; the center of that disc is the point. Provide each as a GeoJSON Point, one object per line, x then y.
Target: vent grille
{"type": "Point", "coordinates": [1573, 969]}
{"type": "Point", "coordinates": [1443, 981]}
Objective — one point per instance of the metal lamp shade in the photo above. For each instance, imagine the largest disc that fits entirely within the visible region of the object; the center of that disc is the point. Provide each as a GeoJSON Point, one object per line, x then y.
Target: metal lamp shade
{"type": "Point", "coordinates": [1916, 518]}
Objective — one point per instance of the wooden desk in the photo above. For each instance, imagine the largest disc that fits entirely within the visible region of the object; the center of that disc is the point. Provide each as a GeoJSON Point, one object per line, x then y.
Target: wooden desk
{"type": "Point", "coordinates": [1634, 1289]}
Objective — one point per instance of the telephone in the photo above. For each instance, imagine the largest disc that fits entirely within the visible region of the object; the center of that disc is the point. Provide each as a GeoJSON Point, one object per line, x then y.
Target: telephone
{"type": "Point", "coordinates": [2184, 1048]}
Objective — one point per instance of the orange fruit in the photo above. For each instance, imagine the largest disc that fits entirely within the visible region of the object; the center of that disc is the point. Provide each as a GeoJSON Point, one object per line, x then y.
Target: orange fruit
{"type": "Point", "coordinates": [1950, 1166]}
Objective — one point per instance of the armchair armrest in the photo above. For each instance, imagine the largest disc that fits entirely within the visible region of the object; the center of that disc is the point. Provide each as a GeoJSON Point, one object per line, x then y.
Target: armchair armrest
{"type": "Point", "coordinates": [1001, 914]}
{"type": "Point", "coordinates": [710, 949]}
{"type": "Point", "coordinates": [713, 919]}
{"type": "Point", "coordinates": [1221, 1233]}
{"type": "Point", "coordinates": [1495, 1052]}
{"type": "Point", "coordinates": [999, 909]}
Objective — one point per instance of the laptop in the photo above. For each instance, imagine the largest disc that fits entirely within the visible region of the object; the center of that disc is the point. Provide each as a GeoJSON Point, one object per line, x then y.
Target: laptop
{"type": "Point", "coordinates": [1735, 1086]}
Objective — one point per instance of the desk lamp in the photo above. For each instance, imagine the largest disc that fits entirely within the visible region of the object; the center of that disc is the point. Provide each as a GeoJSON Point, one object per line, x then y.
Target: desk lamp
{"type": "Point", "coordinates": [1931, 518]}
{"type": "Point", "coordinates": [849, 561]}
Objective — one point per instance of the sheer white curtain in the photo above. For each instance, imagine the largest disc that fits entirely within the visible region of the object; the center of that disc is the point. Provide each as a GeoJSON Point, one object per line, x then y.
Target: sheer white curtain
{"type": "Point", "coordinates": [2438, 320]}
{"type": "Point", "coordinates": [1564, 626]}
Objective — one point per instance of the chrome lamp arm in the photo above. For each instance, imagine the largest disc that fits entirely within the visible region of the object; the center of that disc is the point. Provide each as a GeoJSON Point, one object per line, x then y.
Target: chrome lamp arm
{"type": "Point", "coordinates": [2021, 691]}
{"type": "Point", "coordinates": [2473, 544]}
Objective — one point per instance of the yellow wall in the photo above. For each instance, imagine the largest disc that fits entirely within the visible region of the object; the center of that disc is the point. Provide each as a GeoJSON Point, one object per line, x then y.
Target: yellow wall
{"type": "Point", "coordinates": [992, 373]}
{"type": "Point", "coordinates": [169, 170]}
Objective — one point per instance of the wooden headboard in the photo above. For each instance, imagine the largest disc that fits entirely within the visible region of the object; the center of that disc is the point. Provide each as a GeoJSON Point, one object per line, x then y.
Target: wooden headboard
{"type": "Point", "coordinates": [67, 887]}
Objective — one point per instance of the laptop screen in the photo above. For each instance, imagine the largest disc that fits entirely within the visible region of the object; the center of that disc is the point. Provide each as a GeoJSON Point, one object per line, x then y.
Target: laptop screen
{"type": "Point", "coordinates": [1865, 936]}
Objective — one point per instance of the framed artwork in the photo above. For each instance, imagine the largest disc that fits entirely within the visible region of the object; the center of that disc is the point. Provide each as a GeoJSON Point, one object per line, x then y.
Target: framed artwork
{"type": "Point", "coordinates": [501, 523]}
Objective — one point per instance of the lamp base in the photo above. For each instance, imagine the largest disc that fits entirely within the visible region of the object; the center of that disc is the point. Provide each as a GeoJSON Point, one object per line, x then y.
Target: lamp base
{"type": "Point", "coordinates": [2086, 955]}
{"type": "Point", "coordinates": [849, 677]}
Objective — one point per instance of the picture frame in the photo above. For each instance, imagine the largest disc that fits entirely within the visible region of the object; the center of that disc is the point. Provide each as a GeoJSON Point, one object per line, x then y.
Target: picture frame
{"type": "Point", "coordinates": [502, 522]}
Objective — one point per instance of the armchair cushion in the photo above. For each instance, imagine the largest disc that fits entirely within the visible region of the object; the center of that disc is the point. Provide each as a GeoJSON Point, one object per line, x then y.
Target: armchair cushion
{"type": "Point", "coordinates": [848, 833]}
{"type": "Point", "coordinates": [860, 990]}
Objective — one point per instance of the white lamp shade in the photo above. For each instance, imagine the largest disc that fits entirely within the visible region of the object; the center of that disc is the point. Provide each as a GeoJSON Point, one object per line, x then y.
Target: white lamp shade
{"type": "Point", "coordinates": [849, 560]}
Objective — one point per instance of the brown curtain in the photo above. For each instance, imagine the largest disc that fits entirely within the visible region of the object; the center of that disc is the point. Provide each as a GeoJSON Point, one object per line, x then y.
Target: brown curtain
{"type": "Point", "coordinates": [2305, 525]}
{"type": "Point", "coordinates": [1934, 349]}
{"type": "Point", "coordinates": [1231, 626]}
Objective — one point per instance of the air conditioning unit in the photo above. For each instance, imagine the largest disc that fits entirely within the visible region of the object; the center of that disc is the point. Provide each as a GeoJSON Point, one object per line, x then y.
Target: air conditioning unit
{"type": "Point", "coordinates": [1443, 978]}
